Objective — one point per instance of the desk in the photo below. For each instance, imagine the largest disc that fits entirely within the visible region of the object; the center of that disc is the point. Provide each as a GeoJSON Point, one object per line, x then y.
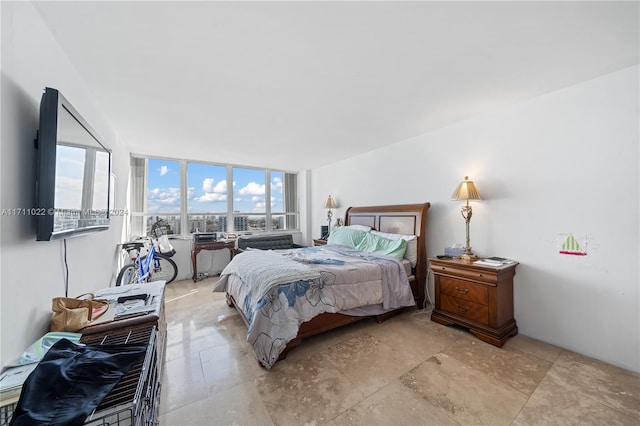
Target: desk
{"type": "Point", "coordinates": [197, 247]}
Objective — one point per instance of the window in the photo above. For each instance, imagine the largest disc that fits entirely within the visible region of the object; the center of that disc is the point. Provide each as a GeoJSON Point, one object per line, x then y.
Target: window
{"type": "Point", "coordinates": [249, 200]}
{"type": "Point", "coordinates": [207, 198]}
{"type": "Point", "coordinates": [284, 196]}
{"type": "Point", "coordinates": [163, 195]}
{"type": "Point", "coordinates": [155, 194]}
{"type": "Point", "coordinates": [277, 202]}
{"type": "Point", "coordinates": [196, 197]}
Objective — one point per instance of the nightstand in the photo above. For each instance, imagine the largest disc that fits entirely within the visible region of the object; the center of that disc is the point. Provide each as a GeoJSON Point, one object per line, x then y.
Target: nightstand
{"type": "Point", "coordinates": [317, 243]}
{"type": "Point", "coordinates": [477, 297]}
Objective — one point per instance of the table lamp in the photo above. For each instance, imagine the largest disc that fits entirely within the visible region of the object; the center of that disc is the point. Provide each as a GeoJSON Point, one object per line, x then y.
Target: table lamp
{"type": "Point", "coordinates": [330, 204]}
{"type": "Point", "coordinates": [466, 191]}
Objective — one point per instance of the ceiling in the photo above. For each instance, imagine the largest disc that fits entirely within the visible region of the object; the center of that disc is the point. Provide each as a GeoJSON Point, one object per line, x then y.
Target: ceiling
{"type": "Point", "coordinates": [297, 85]}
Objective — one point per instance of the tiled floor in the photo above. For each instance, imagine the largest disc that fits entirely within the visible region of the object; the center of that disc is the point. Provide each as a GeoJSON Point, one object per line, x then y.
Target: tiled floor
{"type": "Point", "coordinates": [405, 371]}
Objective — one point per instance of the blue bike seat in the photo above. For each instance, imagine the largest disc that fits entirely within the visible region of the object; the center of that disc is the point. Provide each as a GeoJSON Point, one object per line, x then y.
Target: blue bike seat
{"type": "Point", "coordinates": [132, 245]}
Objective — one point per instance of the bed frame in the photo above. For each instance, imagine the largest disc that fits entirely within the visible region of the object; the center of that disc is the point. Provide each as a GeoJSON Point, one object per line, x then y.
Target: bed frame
{"type": "Point", "coordinates": [408, 219]}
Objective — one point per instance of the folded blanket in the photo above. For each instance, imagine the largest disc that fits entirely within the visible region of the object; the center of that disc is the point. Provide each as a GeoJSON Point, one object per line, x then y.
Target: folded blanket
{"type": "Point", "coordinates": [263, 270]}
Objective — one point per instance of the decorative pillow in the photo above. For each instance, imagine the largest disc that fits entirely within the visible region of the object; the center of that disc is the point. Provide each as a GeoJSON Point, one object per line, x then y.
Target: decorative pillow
{"type": "Point", "coordinates": [412, 245]}
{"type": "Point", "coordinates": [373, 243]}
{"type": "Point", "coordinates": [345, 236]}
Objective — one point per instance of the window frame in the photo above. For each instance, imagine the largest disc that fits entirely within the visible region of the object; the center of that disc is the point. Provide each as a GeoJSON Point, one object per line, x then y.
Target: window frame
{"type": "Point", "coordinates": [230, 214]}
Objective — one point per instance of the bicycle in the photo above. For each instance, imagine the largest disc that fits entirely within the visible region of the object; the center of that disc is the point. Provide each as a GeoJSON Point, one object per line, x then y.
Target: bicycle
{"type": "Point", "coordinates": [155, 265]}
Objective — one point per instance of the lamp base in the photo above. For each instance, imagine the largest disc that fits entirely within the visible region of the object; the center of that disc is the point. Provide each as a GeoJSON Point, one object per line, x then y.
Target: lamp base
{"type": "Point", "coordinates": [468, 257]}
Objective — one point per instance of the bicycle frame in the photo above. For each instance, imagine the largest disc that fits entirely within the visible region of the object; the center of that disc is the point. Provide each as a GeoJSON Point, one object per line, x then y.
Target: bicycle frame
{"type": "Point", "coordinates": [144, 265]}
{"type": "Point", "coordinates": [150, 261]}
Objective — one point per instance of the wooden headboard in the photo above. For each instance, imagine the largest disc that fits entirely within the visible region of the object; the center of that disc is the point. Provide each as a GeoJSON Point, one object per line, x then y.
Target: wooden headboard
{"type": "Point", "coordinates": [409, 219]}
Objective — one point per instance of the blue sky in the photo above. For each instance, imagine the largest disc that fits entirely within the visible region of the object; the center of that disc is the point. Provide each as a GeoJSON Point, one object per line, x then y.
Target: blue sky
{"type": "Point", "coordinates": [208, 188]}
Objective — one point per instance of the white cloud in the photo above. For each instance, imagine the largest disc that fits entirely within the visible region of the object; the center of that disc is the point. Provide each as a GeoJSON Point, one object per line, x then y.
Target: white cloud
{"type": "Point", "coordinates": [163, 170]}
{"type": "Point", "coordinates": [260, 204]}
{"type": "Point", "coordinates": [211, 197]}
{"type": "Point", "coordinates": [221, 187]}
{"type": "Point", "coordinates": [207, 185]}
{"type": "Point", "coordinates": [170, 201]}
{"type": "Point", "coordinates": [252, 188]}
{"type": "Point", "coordinates": [165, 200]}
{"type": "Point", "coordinates": [213, 193]}
{"type": "Point", "coordinates": [276, 185]}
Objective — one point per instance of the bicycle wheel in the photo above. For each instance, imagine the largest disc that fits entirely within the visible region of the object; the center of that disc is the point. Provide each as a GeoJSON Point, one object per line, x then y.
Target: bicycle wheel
{"type": "Point", "coordinates": [164, 268]}
{"type": "Point", "coordinates": [128, 275]}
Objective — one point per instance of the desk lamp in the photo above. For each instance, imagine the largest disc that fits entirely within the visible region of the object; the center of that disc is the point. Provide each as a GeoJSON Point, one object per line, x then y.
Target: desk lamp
{"type": "Point", "coordinates": [466, 191]}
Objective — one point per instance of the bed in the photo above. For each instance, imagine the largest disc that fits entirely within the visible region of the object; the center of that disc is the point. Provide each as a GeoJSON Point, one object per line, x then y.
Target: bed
{"type": "Point", "coordinates": [285, 296]}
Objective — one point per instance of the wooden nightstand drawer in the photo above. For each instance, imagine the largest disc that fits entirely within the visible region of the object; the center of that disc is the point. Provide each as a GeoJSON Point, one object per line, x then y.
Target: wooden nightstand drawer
{"type": "Point", "coordinates": [474, 296]}
{"type": "Point", "coordinates": [464, 308]}
{"type": "Point", "coordinates": [477, 274]}
{"type": "Point", "coordinates": [470, 273]}
{"type": "Point", "coordinates": [464, 290]}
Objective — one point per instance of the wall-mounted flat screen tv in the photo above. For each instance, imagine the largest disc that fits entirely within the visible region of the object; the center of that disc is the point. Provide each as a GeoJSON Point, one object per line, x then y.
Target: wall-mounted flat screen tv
{"type": "Point", "coordinates": [73, 173]}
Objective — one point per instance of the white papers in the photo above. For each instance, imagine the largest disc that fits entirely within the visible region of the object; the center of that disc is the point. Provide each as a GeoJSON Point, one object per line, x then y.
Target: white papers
{"type": "Point", "coordinates": [14, 377]}
{"type": "Point", "coordinates": [495, 262]}
{"type": "Point", "coordinates": [153, 289]}
{"type": "Point", "coordinates": [113, 293]}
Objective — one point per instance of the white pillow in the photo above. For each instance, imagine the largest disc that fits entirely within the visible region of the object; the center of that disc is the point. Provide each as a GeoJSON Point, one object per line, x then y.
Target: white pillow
{"type": "Point", "coordinates": [411, 254]}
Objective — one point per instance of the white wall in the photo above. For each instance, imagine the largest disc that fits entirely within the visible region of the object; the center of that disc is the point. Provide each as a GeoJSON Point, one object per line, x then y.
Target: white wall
{"type": "Point", "coordinates": [564, 162]}
{"type": "Point", "coordinates": [32, 272]}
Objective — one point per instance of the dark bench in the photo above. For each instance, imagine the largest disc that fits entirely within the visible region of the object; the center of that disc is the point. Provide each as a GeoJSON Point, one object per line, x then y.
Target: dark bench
{"type": "Point", "coordinates": [267, 242]}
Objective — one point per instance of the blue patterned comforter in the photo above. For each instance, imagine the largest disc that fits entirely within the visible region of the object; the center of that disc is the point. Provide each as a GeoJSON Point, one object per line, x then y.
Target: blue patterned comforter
{"type": "Point", "coordinates": [281, 289]}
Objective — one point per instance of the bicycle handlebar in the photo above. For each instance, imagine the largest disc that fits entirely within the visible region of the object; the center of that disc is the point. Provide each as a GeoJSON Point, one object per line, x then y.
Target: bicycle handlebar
{"type": "Point", "coordinates": [156, 230]}
{"type": "Point", "coordinates": [154, 233]}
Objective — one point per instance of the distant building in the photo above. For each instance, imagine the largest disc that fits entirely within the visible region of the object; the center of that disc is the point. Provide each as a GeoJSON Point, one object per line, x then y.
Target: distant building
{"type": "Point", "coordinates": [240, 223]}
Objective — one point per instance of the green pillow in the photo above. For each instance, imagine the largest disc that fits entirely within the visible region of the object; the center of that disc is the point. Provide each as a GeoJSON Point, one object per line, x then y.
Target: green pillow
{"type": "Point", "coordinates": [344, 236]}
{"type": "Point", "coordinates": [373, 243]}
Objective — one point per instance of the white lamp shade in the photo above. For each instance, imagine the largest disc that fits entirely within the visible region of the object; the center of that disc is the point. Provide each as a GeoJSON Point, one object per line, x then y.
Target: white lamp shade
{"type": "Point", "coordinates": [466, 191]}
{"type": "Point", "coordinates": [330, 203]}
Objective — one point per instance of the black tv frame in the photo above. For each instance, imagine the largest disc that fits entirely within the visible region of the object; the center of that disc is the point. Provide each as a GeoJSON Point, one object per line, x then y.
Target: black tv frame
{"type": "Point", "coordinates": [46, 145]}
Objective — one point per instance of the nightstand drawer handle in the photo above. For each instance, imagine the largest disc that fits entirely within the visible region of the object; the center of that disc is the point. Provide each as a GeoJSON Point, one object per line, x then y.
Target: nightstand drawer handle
{"type": "Point", "coordinates": [461, 309]}
{"type": "Point", "coordinates": [465, 291]}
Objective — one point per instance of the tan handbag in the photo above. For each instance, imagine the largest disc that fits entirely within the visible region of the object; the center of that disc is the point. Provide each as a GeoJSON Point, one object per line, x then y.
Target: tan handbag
{"type": "Point", "coordinates": [71, 314]}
